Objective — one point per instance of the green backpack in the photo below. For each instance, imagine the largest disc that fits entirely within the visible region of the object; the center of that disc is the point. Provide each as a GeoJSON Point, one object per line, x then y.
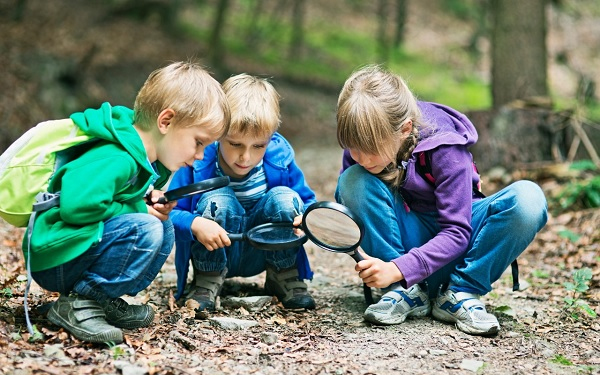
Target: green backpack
{"type": "Point", "coordinates": [27, 166]}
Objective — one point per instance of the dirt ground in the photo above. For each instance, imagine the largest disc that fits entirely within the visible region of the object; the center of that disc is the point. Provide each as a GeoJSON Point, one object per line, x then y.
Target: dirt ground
{"type": "Point", "coordinates": [537, 335]}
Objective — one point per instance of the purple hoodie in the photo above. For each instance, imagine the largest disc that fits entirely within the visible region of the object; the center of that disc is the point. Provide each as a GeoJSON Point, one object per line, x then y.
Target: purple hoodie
{"type": "Point", "coordinates": [448, 134]}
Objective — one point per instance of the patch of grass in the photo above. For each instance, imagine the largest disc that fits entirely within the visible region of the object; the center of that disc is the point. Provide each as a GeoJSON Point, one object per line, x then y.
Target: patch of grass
{"type": "Point", "coordinates": [541, 274]}
{"type": "Point", "coordinates": [561, 360]}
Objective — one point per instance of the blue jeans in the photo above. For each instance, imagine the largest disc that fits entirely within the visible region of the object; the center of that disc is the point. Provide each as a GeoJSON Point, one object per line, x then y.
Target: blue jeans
{"type": "Point", "coordinates": [132, 251]}
{"type": "Point", "coordinates": [280, 204]}
{"type": "Point", "coordinates": [503, 225]}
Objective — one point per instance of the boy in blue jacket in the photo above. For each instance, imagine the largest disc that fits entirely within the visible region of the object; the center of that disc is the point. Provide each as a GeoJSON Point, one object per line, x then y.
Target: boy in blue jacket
{"type": "Point", "coordinates": [266, 186]}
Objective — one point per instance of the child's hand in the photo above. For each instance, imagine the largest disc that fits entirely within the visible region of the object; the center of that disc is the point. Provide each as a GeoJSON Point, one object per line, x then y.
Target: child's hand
{"type": "Point", "coordinates": [160, 210]}
{"type": "Point", "coordinates": [210, 234]}
{"type": "Point", "coordinates": [297, 221]}
{"type": "Point", "coordinates": [296, 224]}
{"type": "Point", "coordinates": [376, 273]}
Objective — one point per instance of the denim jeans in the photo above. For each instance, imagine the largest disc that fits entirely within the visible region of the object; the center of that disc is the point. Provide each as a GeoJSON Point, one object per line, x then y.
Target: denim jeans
{"type": "Point", "coordinates": [279, 204]}
{"type": "Point", "coordinates": [132, 251]}
{"type": "Point", "coordinates": [503, 225]}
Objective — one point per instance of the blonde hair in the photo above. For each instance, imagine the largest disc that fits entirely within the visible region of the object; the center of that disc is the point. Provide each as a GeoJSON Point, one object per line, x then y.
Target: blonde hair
{"type": "Point", "coordinates": [190, 91]}
{"type": "Point", "coordinates": [372, 107]}
{"type": "Point", "coordinates": [254, 105]}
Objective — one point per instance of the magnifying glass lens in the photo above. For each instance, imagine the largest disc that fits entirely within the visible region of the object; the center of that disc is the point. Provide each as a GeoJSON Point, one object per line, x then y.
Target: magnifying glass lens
{"type": "Point", "coordinates": [333, 228]}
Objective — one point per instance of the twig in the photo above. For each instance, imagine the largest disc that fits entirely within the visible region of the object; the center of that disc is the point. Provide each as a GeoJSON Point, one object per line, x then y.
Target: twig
{"type": "Point", "coordinates": [586, 141]}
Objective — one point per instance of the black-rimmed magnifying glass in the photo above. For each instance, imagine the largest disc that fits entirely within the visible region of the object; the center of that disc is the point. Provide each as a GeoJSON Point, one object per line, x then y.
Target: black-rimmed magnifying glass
{"type": "Point", "coordinates": [334, 227]}
{"type": "Point", "coordinates": [195, 188]}
{"type": "Point", "coordinates": [272, 236]}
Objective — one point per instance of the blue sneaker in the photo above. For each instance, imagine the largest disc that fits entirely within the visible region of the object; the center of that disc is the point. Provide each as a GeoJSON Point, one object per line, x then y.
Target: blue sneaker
{"type": "Point", "coordinates": [466, 311]}
{"type": "Point", "coordinates": [398, 304]}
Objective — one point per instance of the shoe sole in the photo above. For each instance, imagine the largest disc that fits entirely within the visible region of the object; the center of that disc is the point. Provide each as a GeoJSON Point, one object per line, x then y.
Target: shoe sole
{"type": "Point", "coordinates": [445, 316]}
{"type": "Point", "coordinates": [115, 336]}
{"type": "Point", "coordinates": [134, 324]}
{"type": "Point", "coordinates": [418, 312]}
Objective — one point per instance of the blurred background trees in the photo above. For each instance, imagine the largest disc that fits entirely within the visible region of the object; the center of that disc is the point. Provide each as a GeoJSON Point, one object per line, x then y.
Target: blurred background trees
{"type": "Point", "coordinates": [523, 70]}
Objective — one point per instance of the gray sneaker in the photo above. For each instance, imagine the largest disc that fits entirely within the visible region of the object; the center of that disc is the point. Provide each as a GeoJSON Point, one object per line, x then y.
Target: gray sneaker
{"type": "Point", "coordinates": [466, 311]}
{"type": "Point", "coordinates": [398, 304]}
{"type": "Point", "coordinates": [289, 290]}
{"type": "Point", "coordinates": [205, 289]}
{"type": "Point", "coordinates": [123, 315]}
{"type": "Point", "coordinates": [84, 318]}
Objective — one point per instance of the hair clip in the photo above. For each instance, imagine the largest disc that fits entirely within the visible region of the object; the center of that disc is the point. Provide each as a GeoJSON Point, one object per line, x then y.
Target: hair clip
{"type": "Point", "coordinates": [403, 165]}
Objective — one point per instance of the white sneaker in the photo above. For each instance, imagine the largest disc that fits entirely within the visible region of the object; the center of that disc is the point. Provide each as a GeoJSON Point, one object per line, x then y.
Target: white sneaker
{"type": "Point", "coordinates": [398, 304]}
{"type": "Point", "coordinates": [467, 311]}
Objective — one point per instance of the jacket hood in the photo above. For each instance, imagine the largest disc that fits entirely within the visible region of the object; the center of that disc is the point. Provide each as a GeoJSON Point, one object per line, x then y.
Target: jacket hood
{"type": "Point", "coordinates": [442, 125]}
{"type": "Point", "coordinates": [114, 124]}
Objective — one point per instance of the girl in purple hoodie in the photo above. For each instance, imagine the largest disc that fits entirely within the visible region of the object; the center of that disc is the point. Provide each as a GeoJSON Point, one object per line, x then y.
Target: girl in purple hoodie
{"type": "Point", "coordinates": [434, 247]}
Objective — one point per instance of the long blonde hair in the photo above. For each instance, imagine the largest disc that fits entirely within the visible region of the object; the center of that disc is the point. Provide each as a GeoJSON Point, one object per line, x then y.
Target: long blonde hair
{"type": "Point", "coordinates": [372, 107]}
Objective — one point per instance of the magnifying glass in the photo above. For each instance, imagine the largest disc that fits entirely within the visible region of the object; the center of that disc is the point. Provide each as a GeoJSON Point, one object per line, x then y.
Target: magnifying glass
{"type": "Point", "coordinates": [196, 188]}
{"type": "Point", "coordinates": [333, 227]}
{"type": "Point", "coordinates": [272, 236]}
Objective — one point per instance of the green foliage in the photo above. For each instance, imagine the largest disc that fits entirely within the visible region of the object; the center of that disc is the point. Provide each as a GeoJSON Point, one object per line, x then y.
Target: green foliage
{"type": "Point", "coordinates": [331, 52]}
{"type": "Point", "coordinates": [577, 195]}
{"type": "Point", "coordinates": [573, 302]}
{"type": "Point", "coordinates": [37, 335]}
{"type": "Point", "coordinates": [116, 350]}
{"type": "Point", "coordinates": [562, 360]}
{"type": "Point", "coordinates": [569, 235]}
{"type": "Point", "coordinates": [583, 165]}
{"type": "Point", "coordinates": [540, 274]}
{"type": "Point", "coordinates": [6, 293]}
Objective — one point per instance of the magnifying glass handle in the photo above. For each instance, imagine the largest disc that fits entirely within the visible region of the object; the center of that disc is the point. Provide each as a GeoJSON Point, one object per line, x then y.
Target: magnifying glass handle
{"type": "Point", "coordinates": [236, 236]}
{"type": "Point", "coordinates": [162, 200]}
{"type": "Point", "coordinates": [356, 256]}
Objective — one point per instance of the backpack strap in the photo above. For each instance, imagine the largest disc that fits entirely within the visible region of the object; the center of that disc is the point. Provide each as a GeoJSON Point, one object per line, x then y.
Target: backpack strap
{"type": "Point", "coordinates": [43, 202]}
{"type": "Point", "coordinates": [423, 168]}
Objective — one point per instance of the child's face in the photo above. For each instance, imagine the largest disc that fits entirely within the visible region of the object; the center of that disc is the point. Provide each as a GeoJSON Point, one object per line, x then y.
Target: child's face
{"type": "Point", "coordinates": [181, 146]}
{"type": "Point", "coordinates": [373, 163]}
{"type": "Point", "coordinates": [240, 153]}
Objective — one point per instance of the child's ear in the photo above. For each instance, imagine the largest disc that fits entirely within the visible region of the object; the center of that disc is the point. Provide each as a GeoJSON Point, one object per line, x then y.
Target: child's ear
{"type": "Point", "coordinates": [165, 120]}
{"type": "Point", "coordinates": [407, 127]}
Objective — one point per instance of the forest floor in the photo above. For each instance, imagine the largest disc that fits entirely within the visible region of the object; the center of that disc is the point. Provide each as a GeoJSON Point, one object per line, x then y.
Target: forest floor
{"type": "Point", "coordinates": [540, 334]}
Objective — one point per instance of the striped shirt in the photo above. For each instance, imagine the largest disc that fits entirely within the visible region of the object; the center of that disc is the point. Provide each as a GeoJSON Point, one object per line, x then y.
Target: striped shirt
{"type": "Point", "coordinates": [251, 188]}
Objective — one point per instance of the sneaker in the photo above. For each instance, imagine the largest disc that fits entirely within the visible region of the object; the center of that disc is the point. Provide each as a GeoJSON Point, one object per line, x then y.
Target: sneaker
{"type": "Point", "coordinates": [398, 304]}
{"type": "Point", "coordinates": [123, 315]}
{"type": "Point", "coordinates": [467, 311]}
{"type": "Point", "coordinates": [84, 318]}
{"type": "Point", "coordinates": [207, 286]}
{"type": "Point", "coordinates": [291, 292]}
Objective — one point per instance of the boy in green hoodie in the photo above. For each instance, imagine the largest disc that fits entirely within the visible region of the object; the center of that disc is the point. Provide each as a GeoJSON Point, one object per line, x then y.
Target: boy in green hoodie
{"type": "Point", "coordinates": [109, 237]}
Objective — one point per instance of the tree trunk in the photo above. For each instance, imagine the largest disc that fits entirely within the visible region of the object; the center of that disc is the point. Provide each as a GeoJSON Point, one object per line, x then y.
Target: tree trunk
{"type": "Point", "coordinates": [400, 22]}
{"type": "Point", "coordinates": [216, 43]}
{"type": "Point", "coordinates": [519, 60]}
{"type": "Point", "coordinates": [383, 44]}
{"type": "Point", "coordinates": [297, 40]}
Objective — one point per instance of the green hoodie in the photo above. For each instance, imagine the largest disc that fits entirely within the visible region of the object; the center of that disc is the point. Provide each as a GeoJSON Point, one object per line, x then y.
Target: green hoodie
{"type": "Point", "coordinates": [108, 179]}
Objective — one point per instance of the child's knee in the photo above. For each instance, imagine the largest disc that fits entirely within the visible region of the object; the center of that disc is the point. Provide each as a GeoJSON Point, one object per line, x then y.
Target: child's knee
{"type": "Point", "coordinates": [282, 198]}
{"type": "Point", "coordinates": [151, 231]}
{"type": "Point", "coordinates": [531, 202]}
{"type": "Point", "coordinates": [219, 206]}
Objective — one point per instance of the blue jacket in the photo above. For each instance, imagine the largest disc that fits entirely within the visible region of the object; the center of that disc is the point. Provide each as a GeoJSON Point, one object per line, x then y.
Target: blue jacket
{"type": "Point", "coordinates": [280, 170]}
